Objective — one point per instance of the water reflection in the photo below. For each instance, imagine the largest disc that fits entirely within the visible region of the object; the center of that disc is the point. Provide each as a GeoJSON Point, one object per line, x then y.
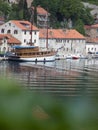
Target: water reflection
{"type": "Point", "coordinates": [61, 78]}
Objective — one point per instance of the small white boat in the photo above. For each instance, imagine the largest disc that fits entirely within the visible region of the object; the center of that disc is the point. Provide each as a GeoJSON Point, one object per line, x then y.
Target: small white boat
{"type": "Point", "coordinates": [77, 56]}
{"type": "Point", "coordinates": [31, 53]}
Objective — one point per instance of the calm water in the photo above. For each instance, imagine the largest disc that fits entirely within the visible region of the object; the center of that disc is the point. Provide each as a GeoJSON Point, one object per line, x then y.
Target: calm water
{"type": "Point", "coordinates": [60, 78]}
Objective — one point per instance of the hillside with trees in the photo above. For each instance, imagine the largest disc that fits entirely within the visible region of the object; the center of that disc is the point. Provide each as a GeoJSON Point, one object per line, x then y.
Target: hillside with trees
{"type": "Point", "coordinates": [65, 14]}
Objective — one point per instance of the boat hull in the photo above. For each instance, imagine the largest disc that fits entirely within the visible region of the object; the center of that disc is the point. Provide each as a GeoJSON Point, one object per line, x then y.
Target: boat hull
{"type": "Point", "coordinates": [33, 59]}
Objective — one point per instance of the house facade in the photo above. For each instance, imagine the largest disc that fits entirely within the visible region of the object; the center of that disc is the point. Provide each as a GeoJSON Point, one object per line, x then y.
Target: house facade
{"type": "Point", "coordinates": [26, 33]}
{"type": "Point", "coordinates": [42, 17]}
{"type": "Point", "coordinates": [92, 45]}
{"type": "Point", "coordinates": [2, 20]}
{"type": "Point", "coordinates": [91, 31]}
{"type": "Point", "coordinates": [6, 41]}
{"type": "Point", "coordinates": [92, 38]}
{"type": "Point", "coordinates": [65, 42]}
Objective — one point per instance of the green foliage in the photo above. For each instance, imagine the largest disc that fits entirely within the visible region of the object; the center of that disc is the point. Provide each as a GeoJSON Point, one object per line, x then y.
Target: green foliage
{"type": "Point", "coordinates": [79, 26]}
{"type": "Point", "coordinates": [26, 14]}
{"type": "Point", "coordinates": [14, 12]}
{"type": "Point", "coordinates": [86, 16]}
{"type": "Point", "coordinates": [4, 8]}
{"type": "Point", "coordinates": [21, 109]}
{"type": "Point", "coordinates": [19, 11]}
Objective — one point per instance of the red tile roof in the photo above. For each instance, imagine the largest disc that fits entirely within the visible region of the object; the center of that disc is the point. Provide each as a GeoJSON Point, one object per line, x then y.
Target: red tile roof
{"type": "Point", "coordinates": [92, 40]}
{"type": "Point", "coordinates": [91, 26]}
{"type": "Point", "coordinates": [95, 26]}
{"type": "Point", "coordinates": [10, 39]}
{"type": "Point", "coordinates": [24, 25]}
{"type": "Point", "coordinates": [41, 10]}
{"type": "Point", "coordinates": [73, 34]}
{"type": "Point", "coordinates": [61, 34]}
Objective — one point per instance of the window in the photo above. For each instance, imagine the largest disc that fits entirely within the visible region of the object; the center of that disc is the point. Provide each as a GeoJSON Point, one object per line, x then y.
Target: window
{"type": "Point", "coordinates": [4, 40]}
{"type": "Point", "coordinates": [64, 41]}
{"type": "Point", "coordinates": [68, 41]}
{"type": "Point", "coordinates": [67, 49]}
{"type": "Point", "coordinates": [35, 41]}
{"type": "Point", "coordinates": [35, 33]}
{"type": "Point", "coordinates": [30, 32]}
{"type": "Point", "coordinates": [2, 30]}
{"type": "Point", "coordinates": [9, 31]}
{"type": "Point", "coordinates": [24, 32]}
{"type": "Point", "coordinates": [15, 32]}
{"type": "Point", "coordinates": [24, 40]}
{"type": "Point", "coordinates": [9, 24]}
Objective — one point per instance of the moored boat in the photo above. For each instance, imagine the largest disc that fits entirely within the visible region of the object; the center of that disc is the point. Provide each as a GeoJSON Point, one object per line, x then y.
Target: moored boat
{"type": "Point", "coordinates": [78, 56]}
{"type": "Point", "coordinates": [31, 53]}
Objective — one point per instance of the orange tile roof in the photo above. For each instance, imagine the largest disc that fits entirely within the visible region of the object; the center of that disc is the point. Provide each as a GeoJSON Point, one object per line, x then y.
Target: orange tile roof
{"type": "Point", "coordinates": [41, 10]}
{"type": "Point", "coordinates": [95, 26]}
{"type": "Point", "coordinates": [73, 34]}
{"type": "Point", "coordinates": [91, 26]}
{"type": "Point", "coordinates": [24, 25]}
{"type": "Point", "coordinates": [10, 38]}
{"type": "Point", "coordinates": [92, 40]}
{"type": "Point", "coordinates": [61, 34]}
{"type": "Point", "coordinates": [87, 26]}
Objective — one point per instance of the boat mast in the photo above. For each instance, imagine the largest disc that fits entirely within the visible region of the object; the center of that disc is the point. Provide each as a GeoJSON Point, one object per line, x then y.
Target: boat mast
{"type": "Point", "coordinates": [31, 21]}
{"type": "Point", "coordinates": [31, 35]}
{"type": "Point", "coordinates": [47, 30]}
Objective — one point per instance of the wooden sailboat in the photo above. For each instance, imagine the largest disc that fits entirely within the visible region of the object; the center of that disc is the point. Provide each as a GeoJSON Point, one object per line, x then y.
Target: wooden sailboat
{"type": "Point", "coordinates": [31, 53]}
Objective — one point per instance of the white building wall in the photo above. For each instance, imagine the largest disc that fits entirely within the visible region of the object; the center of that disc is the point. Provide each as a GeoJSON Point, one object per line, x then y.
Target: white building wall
{"type": "Point", "coordinates": [12, 27]}
{"type": "Point", "coordinates": [4, 46]}
{"type": "Point", "coordinates": [21, 35]}
{"type": "Point", "coordinates": [65, 46]}
{"type": "Point", "coordinates": [92, 47]}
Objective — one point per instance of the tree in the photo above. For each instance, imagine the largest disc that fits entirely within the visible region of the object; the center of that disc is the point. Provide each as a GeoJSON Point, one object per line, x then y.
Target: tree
{"type": "Point", "coordinates": [26, 14]}
{"type": "Point", "coordinates": [86, 16]}
{"type": "Point", "coordinates": [23, 12]}
{"type": "Point", "coordinates": [35, 16]}
{"type": "Point", "coordinates": [14, 12]}
{"type": "Point", "coordinates": [4, 8]}
{"type": "Point", "coordinates": [79, 26]}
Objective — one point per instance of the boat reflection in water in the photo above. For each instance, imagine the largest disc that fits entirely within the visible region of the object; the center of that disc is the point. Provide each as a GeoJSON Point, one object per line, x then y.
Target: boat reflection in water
{"type": "Point", "coordinates": [60, 78]}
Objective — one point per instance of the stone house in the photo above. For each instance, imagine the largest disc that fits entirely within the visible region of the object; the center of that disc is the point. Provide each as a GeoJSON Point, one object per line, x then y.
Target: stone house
{"type": "Point", "coordinates": [91, 30]}
{"type": "Point", "coordinates": [91, 38]}
{"type": "Point", "coordinates": [91, 45]}
{"type": "Point", "coordinates": [65, 42]}
{"type": "Point", "coordinates": [42, 17]}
